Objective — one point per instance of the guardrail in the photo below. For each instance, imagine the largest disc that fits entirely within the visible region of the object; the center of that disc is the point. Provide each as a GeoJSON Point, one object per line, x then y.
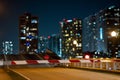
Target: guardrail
{"type": "Point", "coordinates": [95, 64]}
{"type": "Point", "coordinates": [107, 64]}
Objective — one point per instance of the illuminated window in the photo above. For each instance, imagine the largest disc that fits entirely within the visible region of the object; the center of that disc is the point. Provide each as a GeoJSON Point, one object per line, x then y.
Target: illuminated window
{"type": "Point", "coordinates": [79, 45]}
{"type": "Point", "coordinates": [73, 49]}
{"type": "Point", "coordinates": [27, 40]}
{"type": "Point", "coordinates": [23, 38]}
{"type": "Point", "coordinates": [78, 34]}
{"type": "Point", "coordinates": [27, 17]}
{"type": "Point", "coordinates": [76, 25]}
{"type": "Point", "coordinates": [23, 31]}
{"type": "Point", "coordinates": [107, 22]}
{"type": "Point", "coordinates": [116, 24]}
{"type": "Point", "coordinates": [65, 31]}
{"type": "Point", "coordinates": [80, 25]}
{"type": "Point", "coordinates": [69, 20]}
{"type": "Point", "coordinates": [71, 32]}
{"type": "Point", "coordinates": [94, 37]}
{"type": "Point", "coordinates": [66, 50]}
{"type": "Point", "coordinates": [118, 9]}
{"type": "Point", "coordinates": [67, 44]}
{"type": "Point", "coordinates": [94, 22]}
{"type": "Point", "coordinates": [28, 44]}
{"type": "Point", "coordinates": [33, 29]}
{"type": "Point", "coordinates": [111, 7]}
{"type": "Point", "coordinates": [106, 14]}
{"type": "Point", "coordinates": [24, 27]}
{"type": "Point", "coordinates": [67, 35]}
{"type": "Point", "coordinates": [80, 22]}
{"type": "Point", "coordinates": [34, 21]}
{"type": "Point", "coordinates": [117, 14]}
{"type": "Point", "coordinates": [69, 39]}
{"type": "Point", "coordinates": [101, 33]}
{"type": "Point", "coordinates": [27, 28]}
{"type": "Point", "coordinates": [116, 52]}
{"type": "Point", "coordinates": [89, 24]}
{"type": "Point", "coordinates": [76, 22]}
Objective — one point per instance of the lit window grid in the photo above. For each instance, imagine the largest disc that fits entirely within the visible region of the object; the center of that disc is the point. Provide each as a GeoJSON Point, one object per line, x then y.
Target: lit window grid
{"type": "Point", "coordinates": [7, 47]}
{"type": "Point", "coordinates": [68, 35]}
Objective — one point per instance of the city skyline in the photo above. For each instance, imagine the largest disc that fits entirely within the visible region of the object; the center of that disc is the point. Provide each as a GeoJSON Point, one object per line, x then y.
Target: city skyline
{"type": "Point", "coordinates": [49, 13]}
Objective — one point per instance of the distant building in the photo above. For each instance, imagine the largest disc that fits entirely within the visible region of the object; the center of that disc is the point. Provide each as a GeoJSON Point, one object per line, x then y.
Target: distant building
{"type": "Point", "coordinates": [54, 44]}
{"type": "Point", "coordinates": [71, 38]}
{"type": "Point", "coordinates": [28, 33]}
{"type": "Point", "coordinates": [7, 47]}
{"type": "Point", "coordinates": [97, 31]}
{"type": "Point", "coordinates": [89, 34]}
{"type": "Point", "coordinates": [42, 44]}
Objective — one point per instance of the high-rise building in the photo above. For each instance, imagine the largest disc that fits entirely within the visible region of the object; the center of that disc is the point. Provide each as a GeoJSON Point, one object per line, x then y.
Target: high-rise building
{"type": "Point", "coordinates": [113, 30]}
{"type": "Point", "coordinates": [97, 31]}
{"type": "Point", "coordinates": [54, 44]}
{"type": "Point", "coordinates": [28, 33]}
{"type": "Point", "coordinates": [7, 47]}
{"type": "Point", "coordinates": [89, 40]}
{"type": "Point", "coordinates": [71, 38]}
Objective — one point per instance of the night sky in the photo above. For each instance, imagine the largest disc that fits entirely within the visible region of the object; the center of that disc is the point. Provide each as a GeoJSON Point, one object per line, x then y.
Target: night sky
{"type": "Point", "coordinates": [50, 13]}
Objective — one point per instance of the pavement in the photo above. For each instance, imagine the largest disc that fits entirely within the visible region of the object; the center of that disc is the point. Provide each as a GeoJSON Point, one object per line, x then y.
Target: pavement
{"type": "Point", "coordinates": [64, 74]}
{"type": "Point", "coordinates": [4, 75]}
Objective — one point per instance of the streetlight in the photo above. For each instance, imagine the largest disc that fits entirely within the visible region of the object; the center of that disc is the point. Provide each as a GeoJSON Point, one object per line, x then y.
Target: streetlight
{"type": "Point", "coordinates": [114, 34]}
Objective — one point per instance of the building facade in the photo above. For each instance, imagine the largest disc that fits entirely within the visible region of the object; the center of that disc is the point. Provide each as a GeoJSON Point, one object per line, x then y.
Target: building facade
{"type": "Point", "coordinates": [54, 44]}
{"type": "Point", "coordinates": [28, 34]}
{"type": "Point", "coordinates": [42, 44]}
{"type": "Point", "coordinates": [71, 38]}
{"type": "Point", "coordinates": [99, 29]}
{"type": "Point", "coordinates": [7, 47]}
{"type": "Point", "coordinates": [113, 30]}
{"type": "Point", "coordinates": [89, 40]}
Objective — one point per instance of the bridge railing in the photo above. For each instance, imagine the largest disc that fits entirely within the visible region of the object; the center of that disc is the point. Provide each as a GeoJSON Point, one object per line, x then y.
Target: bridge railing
{"type": "Point", "coordinates": [107, 64]}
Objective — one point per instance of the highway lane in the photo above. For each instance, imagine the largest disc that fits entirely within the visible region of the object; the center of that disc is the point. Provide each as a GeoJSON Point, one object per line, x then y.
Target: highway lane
{"type": "Point", "coordinates": [64, 74]}
{"type": "Point", "coordinates": [4, 75]}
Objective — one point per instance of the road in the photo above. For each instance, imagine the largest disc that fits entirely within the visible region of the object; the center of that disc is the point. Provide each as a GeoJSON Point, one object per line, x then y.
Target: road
{"type": "Point", "coordinates": [4, 75]}
{"type": "Point", "coordinates": [64, 74]}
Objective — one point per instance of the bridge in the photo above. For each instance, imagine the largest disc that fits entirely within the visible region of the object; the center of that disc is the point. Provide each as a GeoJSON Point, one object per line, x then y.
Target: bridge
{"type": "Point", "coordinates": [77, 69]}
